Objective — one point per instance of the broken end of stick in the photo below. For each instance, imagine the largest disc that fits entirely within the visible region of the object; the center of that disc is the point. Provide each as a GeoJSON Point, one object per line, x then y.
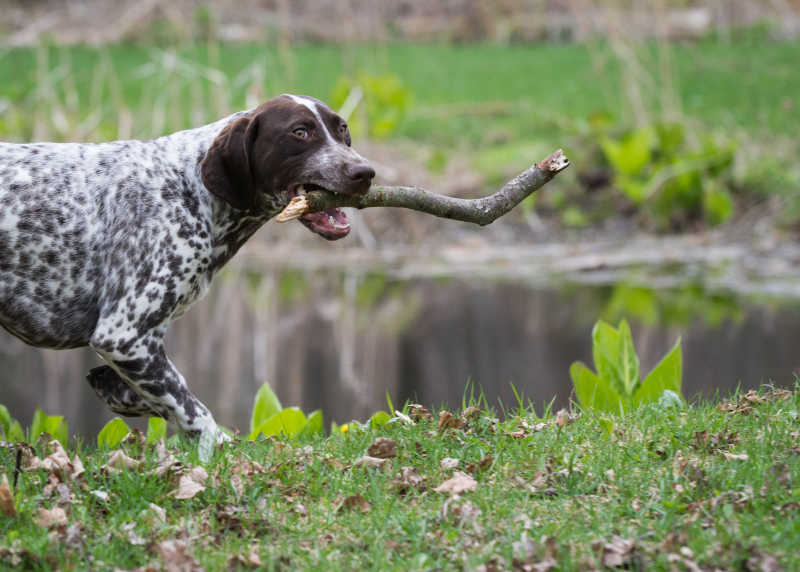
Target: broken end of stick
{"type": "Point", "coordinates": [296, 208]}
{"type": "Point", "coordinates": [554, 163]}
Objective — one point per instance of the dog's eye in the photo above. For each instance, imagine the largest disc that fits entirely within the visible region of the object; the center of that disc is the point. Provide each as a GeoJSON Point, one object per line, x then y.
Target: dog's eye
{"type": "Point", "coordinates": [345, 133]}
{"type": "Point", "coordinates": [301, 132]}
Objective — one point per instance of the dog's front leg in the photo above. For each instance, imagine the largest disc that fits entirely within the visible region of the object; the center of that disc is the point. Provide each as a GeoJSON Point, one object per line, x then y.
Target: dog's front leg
{"type": "Point", "coordinates": [144, 365]}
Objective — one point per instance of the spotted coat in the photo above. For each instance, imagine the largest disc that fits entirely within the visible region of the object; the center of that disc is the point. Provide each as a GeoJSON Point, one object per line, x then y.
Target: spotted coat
{"type": "Point", "coordinates": [103, 245]}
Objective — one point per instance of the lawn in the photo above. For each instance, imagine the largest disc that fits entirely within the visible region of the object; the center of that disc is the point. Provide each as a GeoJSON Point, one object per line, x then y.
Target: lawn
{"type": "Point", "coordinates": [457, 91]}
{"type": "Point", "coordinates": [710, 485]}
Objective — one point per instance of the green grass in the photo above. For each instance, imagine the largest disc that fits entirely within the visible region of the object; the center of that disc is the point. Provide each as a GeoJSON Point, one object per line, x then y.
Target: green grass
{"type": "Point", "coordinates": [716, 486]}
{"type": "Point", "coordinates": [525, 90]}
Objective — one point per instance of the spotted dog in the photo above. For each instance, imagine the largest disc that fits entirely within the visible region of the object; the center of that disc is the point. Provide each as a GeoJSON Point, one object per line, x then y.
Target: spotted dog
{"type": "Point", "coordinates": [103, 245]}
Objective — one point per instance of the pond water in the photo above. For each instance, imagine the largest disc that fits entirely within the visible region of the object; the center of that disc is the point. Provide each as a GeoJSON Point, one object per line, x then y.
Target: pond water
{"type": "Point", "coordinates": [339, 338]}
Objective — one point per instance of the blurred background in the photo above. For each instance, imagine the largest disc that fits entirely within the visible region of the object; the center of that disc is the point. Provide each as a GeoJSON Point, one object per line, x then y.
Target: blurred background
{"type": "Point", "coordinates": [681, 211]}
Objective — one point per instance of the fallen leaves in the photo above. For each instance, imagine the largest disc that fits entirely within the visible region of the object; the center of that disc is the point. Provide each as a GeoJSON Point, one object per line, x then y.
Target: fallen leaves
{"type": "Point", "coordinates": [616, 553]}
{"type": "Point", "coordinates": [408, 479]}
{"type": "Point", "coordinates": [175, 557]}
{"type": "Point", "coordinates": [119, 461]}
{"type": "Point", "coordinates": [52, 517]}
{"type": "Point", "coordinates": [368, 462]}
{"type": "Point", "coordinates": [7, 499]}
{"type": "Point", "coordinates": [354, 502]}
{"type": "Point", "coordinates": [190, 484]}
{"type": "Point", "coordinates": [459, 483]}
{"type": "Point", "coordinates": [383, 448]}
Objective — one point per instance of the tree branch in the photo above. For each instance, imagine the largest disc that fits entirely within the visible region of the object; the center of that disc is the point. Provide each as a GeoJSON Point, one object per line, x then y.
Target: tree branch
{"type": "Point", "coordinates": [479, 211]}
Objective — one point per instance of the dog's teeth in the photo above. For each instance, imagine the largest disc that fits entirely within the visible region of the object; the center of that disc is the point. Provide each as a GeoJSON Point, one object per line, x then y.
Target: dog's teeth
{"type": "Point", "coordinates": [331, 220]}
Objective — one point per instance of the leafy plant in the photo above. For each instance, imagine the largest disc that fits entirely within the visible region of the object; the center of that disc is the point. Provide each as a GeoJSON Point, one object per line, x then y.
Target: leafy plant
{"type": "Point", "coordinates": [617, 385]}
{"type": "Point", "coordinates": [113, 432]}
{"type": "Point", "coordinates": [269, 418]}
{"type": "Point", "coordinates": [10, 428]}
{"type": "Point", "coordinates": [671, 179]}
{"type": "Point", "coordinates": [384, 101]}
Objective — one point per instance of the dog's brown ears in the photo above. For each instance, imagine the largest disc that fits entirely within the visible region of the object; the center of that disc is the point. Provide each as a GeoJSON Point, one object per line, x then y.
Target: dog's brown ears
{"type": "Point", "coordinates": [226, 168]}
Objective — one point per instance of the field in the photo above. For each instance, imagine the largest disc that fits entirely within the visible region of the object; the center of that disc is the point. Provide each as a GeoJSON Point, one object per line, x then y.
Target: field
{"type": "Point", "coordinates": [708, 486]}
{"type": "Point", "coordinates": [746, 85]}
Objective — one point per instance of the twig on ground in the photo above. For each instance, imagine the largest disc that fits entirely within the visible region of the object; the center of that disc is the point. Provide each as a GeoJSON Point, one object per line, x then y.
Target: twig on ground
{"type": "Point", "coordinates": [479, 211]}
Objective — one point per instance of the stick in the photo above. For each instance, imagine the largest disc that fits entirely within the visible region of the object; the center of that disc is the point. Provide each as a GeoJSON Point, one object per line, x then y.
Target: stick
{"type": "Point", "coordinates": [479, 211]}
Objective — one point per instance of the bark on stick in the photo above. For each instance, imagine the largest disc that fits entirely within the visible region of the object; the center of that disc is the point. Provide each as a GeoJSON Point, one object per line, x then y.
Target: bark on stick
{"type": "Point", "coordinates": [479, 211]}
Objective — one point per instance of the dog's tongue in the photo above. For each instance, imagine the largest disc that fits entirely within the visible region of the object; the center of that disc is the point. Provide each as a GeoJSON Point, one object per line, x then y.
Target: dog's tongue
{"type": "Point", "coordinates": [331, 223]}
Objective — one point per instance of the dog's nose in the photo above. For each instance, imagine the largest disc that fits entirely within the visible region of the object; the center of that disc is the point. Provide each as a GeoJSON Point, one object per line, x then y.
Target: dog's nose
{"type": "Point", "coordinates": [360, 173]}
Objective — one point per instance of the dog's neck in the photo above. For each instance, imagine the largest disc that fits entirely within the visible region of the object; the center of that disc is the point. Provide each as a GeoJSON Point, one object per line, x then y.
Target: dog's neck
{"type": "Point", "coordinates": [230, 228]}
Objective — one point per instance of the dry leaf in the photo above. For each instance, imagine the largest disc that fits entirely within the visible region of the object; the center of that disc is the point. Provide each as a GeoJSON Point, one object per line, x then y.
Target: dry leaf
{"type": "Point", "coordinates": [160, 513]}
{"type": "Point", "coordinates": [53, 517]}
{"type": "Point", "coordinates": [383, 448]}
{"type": "Point", "coordinates": [191, 483]}
{"type": "Point", "coordinates": [175, 559]}
{"type": "Point", "coordinates": [471, 412]}
{"type": "Point", "coordinates": [119, 461]}
{"type": "Point", "coordinates": [460, 483]}
{"type": "Point", "coordinates": [77, 467]}
{"type": "Point", "coordinates": [448, 421]}
{"type": "Point", "coordinates": [448, 463]}
{"type": "Point", "coordinates": [734, 456]}
{"type": "Point", "coordinates": [239, 561]}
{"type": "Point", "coordinates": [371, 462]}
{"type": "Point", "coordinates": [355, 502]}
{"type": "Point", "coordinates": [409, 478]}
{"type": "Point", "coordinates": [618, 552]}
{"type": "Point", "coordinates": [7, 499]}
{"type": "Point", "coordinates": [418, 413]}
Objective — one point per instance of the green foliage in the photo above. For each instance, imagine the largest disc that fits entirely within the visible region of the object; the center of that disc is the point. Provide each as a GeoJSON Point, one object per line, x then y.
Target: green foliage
{"type": "Point", "coordinates": [156, 429]}
{"type": "Point", "coordinates": [10, 428]}
{"type": "Point", "coordinates": [53, 425]}
{"type": "Point", "coordinates": [617, 386]}
{"type": "Point", "coordinates": [112, 433]}
{"type": "Point", "coordinates": [385, 102]}
{"type": "Point", "coordinates": [270, 419]}
{"type": "Point", "coordinates": [672, 180]}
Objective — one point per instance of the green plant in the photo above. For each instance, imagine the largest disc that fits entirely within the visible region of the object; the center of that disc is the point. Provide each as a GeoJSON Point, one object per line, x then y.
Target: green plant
{"type": "Point", "coordinates": [269, 418]}
{"type": "Point", "coordinates": [617, 386]}
{"type": "Point", "coordinates": [385, 99]}
{"type": "Point", "coordinates": [113, 432]}
{"type": "Point", "coordinates": [672, 180]}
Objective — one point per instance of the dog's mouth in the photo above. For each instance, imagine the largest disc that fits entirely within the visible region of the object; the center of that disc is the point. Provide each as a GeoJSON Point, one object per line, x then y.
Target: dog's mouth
{"type": "Point", "coordinates": [331, 224]}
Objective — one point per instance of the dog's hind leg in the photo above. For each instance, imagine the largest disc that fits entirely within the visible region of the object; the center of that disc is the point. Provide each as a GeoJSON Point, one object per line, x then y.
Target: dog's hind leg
{"type": "Point", "coordinates": [118, 394]}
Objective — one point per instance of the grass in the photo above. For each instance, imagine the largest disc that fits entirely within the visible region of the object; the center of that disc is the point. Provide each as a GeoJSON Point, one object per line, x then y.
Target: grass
{"type": "Point", "coordinates": [467, 95]}
{"type": "Point", "coordinates": [708, 485]}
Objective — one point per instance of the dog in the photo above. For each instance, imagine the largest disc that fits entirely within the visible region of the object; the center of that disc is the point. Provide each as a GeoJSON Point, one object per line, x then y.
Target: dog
{"type": "Point", "coordinates": [103, 245]}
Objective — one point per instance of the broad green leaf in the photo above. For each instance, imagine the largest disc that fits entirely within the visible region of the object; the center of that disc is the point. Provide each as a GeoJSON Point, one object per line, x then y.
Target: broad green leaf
{"type": "Point", "coordinates": [594, 392]}
{"type": "Point", "coordinates": [6, 420]}
{"type": "Point", "coordinates": [314, 426]}
{"type": "Point", "coordinates": [53, 425]}
{"type": "Point", "coordinates": [15, 432]}
{"type": "Point", "coordinates": [628, 361]}
{"type": "Point", "coordinates": [630, 154]}
{"type": "Point", "coordinates": [112, 434]}
{"type": "Point", "coordinates": [605, 351]}
{"type": "Point", "coordinates": [379, 419]}
{"type": "Point", "coordinates": [156, 429]}
{"type": "Point", "coordinates": [665, 376]}
{"type": "Point", "coordinates": [266, 406]}
{"type": "Point", "coordinates": [288, 422]}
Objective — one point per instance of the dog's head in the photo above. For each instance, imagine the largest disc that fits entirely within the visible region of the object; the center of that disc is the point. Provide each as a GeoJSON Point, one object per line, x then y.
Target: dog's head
{"type": "Point", "coordinates": [288, 145]}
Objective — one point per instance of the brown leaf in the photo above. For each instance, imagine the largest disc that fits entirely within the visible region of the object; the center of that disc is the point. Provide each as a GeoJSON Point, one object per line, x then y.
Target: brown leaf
{"type": "Point", "coordinates": [448, 421]}
{"type": "Point", "coordinates": [448, 463]}
{"type": "Point", "coordinates": [175, 558]}
{"type": "Point", "coordinates": [355, 502]}
{"type": "Point", "coordinates": [77, 467]}
{"type": "Point", "coordinates": [370, 462]}
{"type": "Point", "coordinates": [471, 412]}
{"type": "Point", "coordinates": [119, 461]}
{"type": "Point", "coordinates": [618, 552]}
{"type": "Point", "coordinates": [383, 448]}
{"type": "Point", "coordinates": [734, 456]}
{"type": "Point", "coordinates": [481, 465]}
{"type": "Point", "coordinates": [191, 483]}
{"type": "Point", "coordinates": [54, 517]}
{"type": "Point", "coordinates": [408, 479]}
{"type": "Point", "coordinates": [460, 483]}
{"type": "Point", "coordinates": [251, 561]}
{"type": "Point", "coordinates": [7, 499]}
{"type": "Point", "coordinates": [418, 413]}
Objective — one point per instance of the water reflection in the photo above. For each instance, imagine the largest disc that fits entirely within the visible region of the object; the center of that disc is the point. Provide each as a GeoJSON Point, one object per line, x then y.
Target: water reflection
{"type": "Point", "coordinates": [340, 340]}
